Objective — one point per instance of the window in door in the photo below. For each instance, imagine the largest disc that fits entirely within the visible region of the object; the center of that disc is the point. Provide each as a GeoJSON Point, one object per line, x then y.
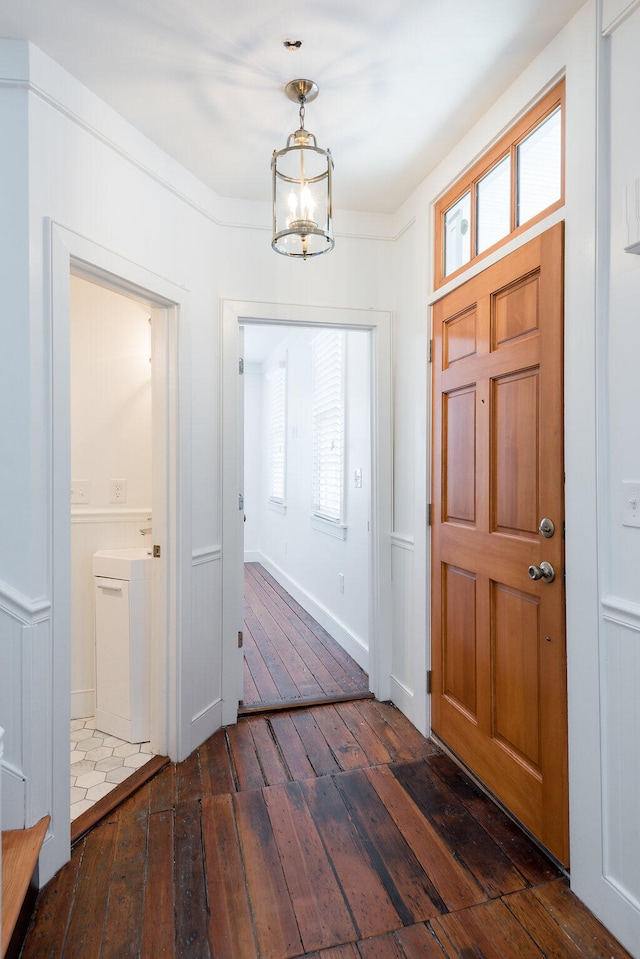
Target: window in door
{"type": "Point", "coordinates": [517, 182]}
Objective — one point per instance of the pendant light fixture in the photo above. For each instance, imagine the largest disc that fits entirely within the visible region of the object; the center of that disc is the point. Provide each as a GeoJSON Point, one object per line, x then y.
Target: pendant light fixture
{"type": "Point", "coordinates": [302, 172]}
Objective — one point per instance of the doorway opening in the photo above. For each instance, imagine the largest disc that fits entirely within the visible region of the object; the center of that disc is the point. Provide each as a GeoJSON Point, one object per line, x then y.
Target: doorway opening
{"type": "Point", "coordinates": [306, 443]}
{"type": "Point", "coordinates": [374, 598]}
{"type": "Point", "coordinates": [111, 431]}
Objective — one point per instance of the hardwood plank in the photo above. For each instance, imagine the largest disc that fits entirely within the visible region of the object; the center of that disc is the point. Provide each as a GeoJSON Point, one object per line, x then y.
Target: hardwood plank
{"type": "Point", "coordinates": [471, 845]}
{"type": "Point", "coordinates": [419, 942]}
{"type": "Point", "coordinates": [250, 692]}
{"type": "Point", "coordinates": [348, 951]}
{"type": "Point", "coordinates": [285, 684]}
{"type": "Point", "coordinates": [231, 933]}
{"type": "Point", "coordinates": [525, 855]}
{"type": "Point", "coordinates": [300, 638]}
{"type": "Point", "coordinates": [318, 751]}
{"type": "Point", "coordinates": [488, 930]}
{"type": "Point", "coordinates": [266, 688]}
{"type": "Point", "coordinates": [582, 927]}
{"type": "Point", "coordinates": [376, 751]}
{"type": "Point", "coordinates": [123, 926]}
{"type": "Point", "coordinates": [397, 749]}
{"type": "Point", "coordinates": [291, 746]}
{"type": "Point", "coordinates": [382, 947]}
{"type": "Point", "coordinates": [455, 884]}
{"type": "Point", "coordinates": [295, 664]}
{"type": "Point", "coordinates": [550, 938]}
{"type": "Point", "coordinates": [162, 790]}
{"type": "Point", "coordinates": [158, 926]}
{"type": "Point", "coordinates": [370, 905]}
{"type": "Point", "coordinates": [274, 919]}
{"type": "Point", "coordinates": [344, 746]}
{"type": "Point", "coordinates": [342, 658]}
{"type": "Point", "coordinates": [244, 757]}
{"type": "Point", "coordinates": [190, 888]}
{"type": "Point", "coordinates": [86, 926]}
{"type": "Point", "coordinates": [20, 851]}
{"type": "Point", "coordinates": [188, 781]}
{"type": "Point", "coordinates": [321, 911]}
{"type": "Point", "coordinates": [271, 762]}
{"type": "Point", "coordinates": [52, 912]}
{"type": "Point", "coordinates": [420, 747]}
{"type": "Point", "coordinates": [215, 765]}
{"type": "Point", "coordinates": [408, 886]}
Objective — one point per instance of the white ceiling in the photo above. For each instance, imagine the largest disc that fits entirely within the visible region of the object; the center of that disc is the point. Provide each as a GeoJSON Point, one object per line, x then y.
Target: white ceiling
{"type": "Point", "coordinates": [400, 80]}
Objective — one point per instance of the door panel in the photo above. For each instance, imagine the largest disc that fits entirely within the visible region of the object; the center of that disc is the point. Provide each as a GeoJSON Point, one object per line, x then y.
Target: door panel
{"type": "Point", "coordinates": [498, 664]}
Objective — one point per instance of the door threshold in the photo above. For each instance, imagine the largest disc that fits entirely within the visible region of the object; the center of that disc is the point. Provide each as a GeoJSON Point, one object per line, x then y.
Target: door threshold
{"type": "Point", "coordinates": [281, 705]}
{"type": "Point", "coordinates": [87, 820]}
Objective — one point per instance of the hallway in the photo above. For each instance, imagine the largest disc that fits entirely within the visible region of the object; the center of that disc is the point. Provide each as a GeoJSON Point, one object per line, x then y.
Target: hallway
{"type": "Point", "coordinates": [289, 659]}
{"type": "Point", "coordinates": [336, 828]}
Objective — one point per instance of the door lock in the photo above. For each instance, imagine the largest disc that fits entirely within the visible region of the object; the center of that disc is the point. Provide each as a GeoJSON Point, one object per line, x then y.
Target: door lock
{"type": "Point", "coordinates": [546, 527]}
{"type": "Point", "coordinates": [544, 571]}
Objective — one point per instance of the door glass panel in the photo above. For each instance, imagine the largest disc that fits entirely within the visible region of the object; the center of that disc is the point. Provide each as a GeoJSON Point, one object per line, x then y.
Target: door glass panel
{"type": "Point", "coordinates": [493, 209]}
{"type": "Point", "coordinates": [540, 168]}
{"type": "Point", "coordinates": [457, 235]}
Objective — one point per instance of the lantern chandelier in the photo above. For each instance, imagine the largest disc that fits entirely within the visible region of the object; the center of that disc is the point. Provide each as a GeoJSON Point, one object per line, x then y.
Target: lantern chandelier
{"type": "Point", "coordinates": [302, 202]}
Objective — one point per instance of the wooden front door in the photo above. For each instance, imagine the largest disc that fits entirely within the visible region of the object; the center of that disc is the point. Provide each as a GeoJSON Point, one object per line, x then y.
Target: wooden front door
{"type": "Point", "coordinates": [498, 662]}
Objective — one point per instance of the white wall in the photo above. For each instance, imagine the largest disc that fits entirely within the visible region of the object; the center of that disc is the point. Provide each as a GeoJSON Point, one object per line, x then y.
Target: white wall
{"type": "Point", "coordinates": [111, 433]}
{"type": "Point", "coordinates": [305, 559]}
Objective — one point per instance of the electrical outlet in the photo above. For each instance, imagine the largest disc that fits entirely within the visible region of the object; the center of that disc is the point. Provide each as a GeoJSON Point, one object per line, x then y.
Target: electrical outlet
{"type": "Point", "coordinates": [80, 492]}
{"type": "Point", "coordinates": [118, 490]}
{"type": "Point", "coordinates": [630, 503]}
{"type": "Point", "coordinates": [357, 478]}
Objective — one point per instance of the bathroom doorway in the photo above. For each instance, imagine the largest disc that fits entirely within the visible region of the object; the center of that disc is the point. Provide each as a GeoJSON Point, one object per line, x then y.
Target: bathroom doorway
{"type": "Point", "coordinates": [111, 430]}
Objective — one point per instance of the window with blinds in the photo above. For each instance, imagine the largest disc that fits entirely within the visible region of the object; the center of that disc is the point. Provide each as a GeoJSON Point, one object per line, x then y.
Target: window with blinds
{"type": "Point", "coordinates": [328, 425]}
{"type": "Point", "coordinates": [277, 431]}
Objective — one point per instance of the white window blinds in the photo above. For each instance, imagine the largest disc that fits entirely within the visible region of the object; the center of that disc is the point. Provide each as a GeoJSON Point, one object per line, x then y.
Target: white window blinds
{"type": "Point", "coordinates": [328, 425]}
{"type": "Point", "coordinates": [277, 431]}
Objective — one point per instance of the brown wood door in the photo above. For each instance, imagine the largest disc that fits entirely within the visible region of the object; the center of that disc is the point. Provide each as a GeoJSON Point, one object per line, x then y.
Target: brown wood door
{"type": "Point", "coordinates": [498, 662]}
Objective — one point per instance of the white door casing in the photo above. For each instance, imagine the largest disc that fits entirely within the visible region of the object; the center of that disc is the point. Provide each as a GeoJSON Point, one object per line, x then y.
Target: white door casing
{"type": "Point", "coordinates": [379, 324]}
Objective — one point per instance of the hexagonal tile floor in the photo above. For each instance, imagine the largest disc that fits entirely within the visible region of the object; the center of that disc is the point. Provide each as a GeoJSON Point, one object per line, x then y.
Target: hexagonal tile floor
{"type": "Point", "coordinates": [99, 762]}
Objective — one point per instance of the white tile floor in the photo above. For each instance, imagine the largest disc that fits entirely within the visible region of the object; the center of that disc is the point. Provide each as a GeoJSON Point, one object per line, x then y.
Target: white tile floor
{"type": "Point", "coordinates": [99, 762]}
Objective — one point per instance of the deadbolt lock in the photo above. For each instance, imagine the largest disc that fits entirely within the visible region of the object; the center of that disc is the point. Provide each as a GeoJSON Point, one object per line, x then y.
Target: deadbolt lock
{"type": "Point", "coordinates": [546, 527]}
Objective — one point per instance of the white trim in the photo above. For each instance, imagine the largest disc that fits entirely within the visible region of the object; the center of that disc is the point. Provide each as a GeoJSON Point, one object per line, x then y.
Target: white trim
{"type": "Point", "coordinates": [276, 507]}
{"type": "Point", "coordinates": [379, 323]}
{"type": "Point", "coordinates": [328, 526]}
{"type": "Point", "coordinates": [403, 542]}
{"type": "Point", "coordinates": [117, 515]}
{"type": "Point", "coordinates": [621, 611]}
{"type": "Point", "coordinates": [21, 608]}
{"type": "Point", "coordinates": [402, 696]}
{"type": "Point", "coordinates": [208, 554]}
{"type": "Point", "coordinates": [83, 703]}
{"type": "Point", "coordinates": [65, 251]}
{"type": "Point", "coordinates": [609, 28]}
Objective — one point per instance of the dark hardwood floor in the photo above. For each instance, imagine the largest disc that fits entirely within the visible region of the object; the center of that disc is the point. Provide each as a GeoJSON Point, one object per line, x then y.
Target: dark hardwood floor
{"type": "Point", "coordinates": [334, 832]}
{"type": "Point", "coordinates": [289, 659]}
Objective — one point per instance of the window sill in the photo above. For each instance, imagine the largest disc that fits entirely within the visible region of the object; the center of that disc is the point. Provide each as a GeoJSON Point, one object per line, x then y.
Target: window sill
{"type": "Point", "coordinates": [338, 530]}
{"type": "Point", "coordinates": [277, 507]}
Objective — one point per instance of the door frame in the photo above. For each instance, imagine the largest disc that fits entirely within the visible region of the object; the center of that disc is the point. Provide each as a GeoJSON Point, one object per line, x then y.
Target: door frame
{"type": "Point", "coordinates": [378, 323]}
{"type": "Point", "coordinates": [70, 253]}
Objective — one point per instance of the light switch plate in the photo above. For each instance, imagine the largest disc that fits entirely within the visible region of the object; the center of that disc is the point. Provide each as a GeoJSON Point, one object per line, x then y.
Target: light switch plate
{"type": "Point", "coordinates": [80, 492]}
{"type": "Point", "coordinates": [631, 503]}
